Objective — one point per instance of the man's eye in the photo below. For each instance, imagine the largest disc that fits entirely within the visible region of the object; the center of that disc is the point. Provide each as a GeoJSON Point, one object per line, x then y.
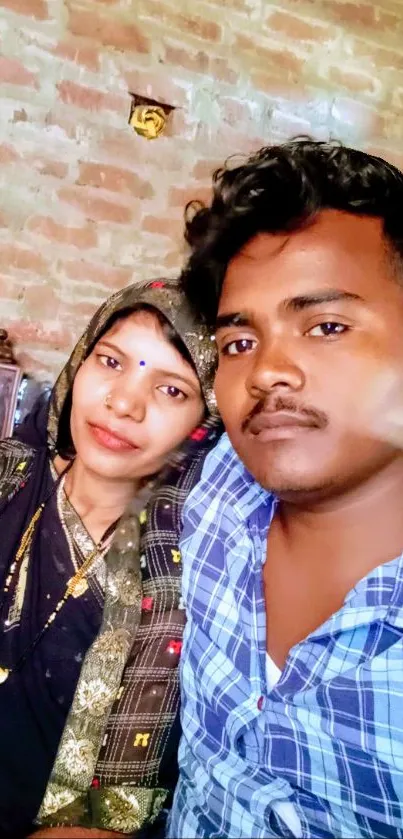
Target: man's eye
{"type": "Point", "coordinates": [327, 329]}
{"type": "Point", "coordinates": [242, 345]}
{"type": "Point", "coordinates": [109, 361]}
{"type": "Point", "coordinates": [173, 392]}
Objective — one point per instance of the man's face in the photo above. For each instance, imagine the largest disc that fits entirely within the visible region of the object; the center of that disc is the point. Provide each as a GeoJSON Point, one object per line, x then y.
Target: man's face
{"type": "Point", "coordinates": [309, 330]}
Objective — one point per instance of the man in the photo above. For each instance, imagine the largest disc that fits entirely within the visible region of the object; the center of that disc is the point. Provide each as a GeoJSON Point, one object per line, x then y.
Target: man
{"type": "Point", "coordinates": [292, 663]}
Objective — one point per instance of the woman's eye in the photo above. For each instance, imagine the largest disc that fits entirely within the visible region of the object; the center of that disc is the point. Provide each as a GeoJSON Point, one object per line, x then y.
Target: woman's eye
{"type": "Point", "coordinates": [242, 345]}
{"type": "Point", "coordinates": [173, 392]}
{"type": "Point", "coordinates": [109, 361]}
{"type": "Point", "coordinates": [327, 329]}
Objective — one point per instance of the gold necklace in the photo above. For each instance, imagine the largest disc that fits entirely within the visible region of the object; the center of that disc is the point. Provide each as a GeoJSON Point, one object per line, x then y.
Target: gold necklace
{"type": "Point", "coordinates": [75, 587]}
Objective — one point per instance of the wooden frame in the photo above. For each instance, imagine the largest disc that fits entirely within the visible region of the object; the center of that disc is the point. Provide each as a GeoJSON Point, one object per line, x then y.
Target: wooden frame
{"type": "Point", "coordinates": [10, 378]}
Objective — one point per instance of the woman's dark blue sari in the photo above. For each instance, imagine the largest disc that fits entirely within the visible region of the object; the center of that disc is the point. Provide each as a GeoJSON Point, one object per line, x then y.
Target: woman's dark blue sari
{"type": "Point", "coordinates": [34, 702]}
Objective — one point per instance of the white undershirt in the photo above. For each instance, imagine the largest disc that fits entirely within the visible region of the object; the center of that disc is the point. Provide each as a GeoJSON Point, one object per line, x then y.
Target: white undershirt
{"type": "Point", "coordinates": [285, 809]}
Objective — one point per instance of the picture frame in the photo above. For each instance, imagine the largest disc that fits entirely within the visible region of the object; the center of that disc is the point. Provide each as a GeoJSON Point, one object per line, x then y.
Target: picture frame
{"type": "Point", "coordinates": [10, 378]}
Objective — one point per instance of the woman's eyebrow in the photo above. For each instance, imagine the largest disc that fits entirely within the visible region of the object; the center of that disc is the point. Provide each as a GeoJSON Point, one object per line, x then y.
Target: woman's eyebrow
{"type": "Point", "coordinates": [105, 343]}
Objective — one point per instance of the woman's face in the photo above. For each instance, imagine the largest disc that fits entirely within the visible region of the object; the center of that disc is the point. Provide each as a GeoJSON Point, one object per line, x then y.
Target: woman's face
{"type": "Point", "coordinates": [135, 399]}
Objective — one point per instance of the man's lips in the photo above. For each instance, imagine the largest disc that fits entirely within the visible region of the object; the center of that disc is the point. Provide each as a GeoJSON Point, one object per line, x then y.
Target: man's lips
{"type": "Point", "coordinates": [278, 424]}
{"type": "Point", "coordinates": [110, 439]}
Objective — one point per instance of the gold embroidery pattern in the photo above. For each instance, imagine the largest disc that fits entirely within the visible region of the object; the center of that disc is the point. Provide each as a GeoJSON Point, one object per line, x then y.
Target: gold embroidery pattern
{"type": "Point", "coordinates": [75, 754]}
{"type": "Point", "coordinates": [126, 809]}
{"type": "Point", "coordinates": [94, 697]}
{"type": "Point", "coordinates": [57, 798]}
{"type": "Point", "coordinates": [102, 669]}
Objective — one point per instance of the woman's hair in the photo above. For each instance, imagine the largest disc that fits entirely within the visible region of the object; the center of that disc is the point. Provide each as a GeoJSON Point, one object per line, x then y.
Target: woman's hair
{"type": "Point", "coordinates": [283, 188]}
{"type": "Point", "coordinates": [64, 444]}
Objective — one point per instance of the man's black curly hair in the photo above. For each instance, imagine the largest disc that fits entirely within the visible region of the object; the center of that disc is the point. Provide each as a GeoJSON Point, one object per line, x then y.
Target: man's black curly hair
{"type": "Point", "coordinates": [283, 188]}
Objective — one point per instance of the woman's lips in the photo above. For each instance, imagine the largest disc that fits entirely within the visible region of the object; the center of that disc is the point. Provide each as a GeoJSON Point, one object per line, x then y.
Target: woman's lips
{"type": "Point", "coordinates": [110, 440]}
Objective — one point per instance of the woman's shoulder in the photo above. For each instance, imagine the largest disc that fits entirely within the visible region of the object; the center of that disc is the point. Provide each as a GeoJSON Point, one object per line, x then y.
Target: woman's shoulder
{"type": "Point", "coordinates": [16, 460]}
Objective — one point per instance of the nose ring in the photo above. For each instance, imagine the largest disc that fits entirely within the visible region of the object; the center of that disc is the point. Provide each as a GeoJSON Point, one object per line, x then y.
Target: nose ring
{"type": "Point", "coordinates": [107, 400]}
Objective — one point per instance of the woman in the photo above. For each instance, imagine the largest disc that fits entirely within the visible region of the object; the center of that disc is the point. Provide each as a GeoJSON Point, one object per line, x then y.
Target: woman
{"type": "Point", "coordinates": [135, 388]}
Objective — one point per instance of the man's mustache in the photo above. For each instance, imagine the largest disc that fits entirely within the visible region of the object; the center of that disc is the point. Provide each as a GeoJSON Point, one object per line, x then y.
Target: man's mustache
{"type": "Point", "coordinates": [274, 404]}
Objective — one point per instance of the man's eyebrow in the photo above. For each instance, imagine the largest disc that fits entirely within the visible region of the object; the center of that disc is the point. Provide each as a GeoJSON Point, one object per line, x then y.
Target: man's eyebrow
{"type": "Point", "coordinates": [232, 319]}
{"type": "Point", "coordinates": [318, 298]}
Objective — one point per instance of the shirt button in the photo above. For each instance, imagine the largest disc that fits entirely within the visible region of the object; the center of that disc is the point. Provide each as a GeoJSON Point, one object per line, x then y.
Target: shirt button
{"type": "Point", "coordinates": [261, 703]}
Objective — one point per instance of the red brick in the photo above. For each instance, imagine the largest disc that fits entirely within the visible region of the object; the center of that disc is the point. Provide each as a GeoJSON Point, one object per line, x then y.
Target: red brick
{"type": "Point", "coordinates": [367, 121]}
{"type": "Point", "coordinates": [156, 85]}
{"type": "Point", "coordinates": [80, 237]}
{"type": "Point", "coordinates": [110, 32]}
{"type": "Point", "coordinates": [91, 99]}
{"type": "Point", "coordinates": [8, 287]}
{"type": "Point", "coordinates": [172, 260]}
{"type": "Point", "coordinates": [195, 25]}
{"type": "Point", "coordinates": [95, 208]}
{"type": "Point", "coordinates": [13, 72]}
{"type": "Point", "coordinates": [79, 308]}
{"type": "Point", "coordinates": [98, 273]}
{"type": "Point", "coordinates": [204, 169]}
{"type": "Point", "coordinates": [163, 226]}
{"type": "Point", "coordinates": [59, 119]}
{"type": "Point", "coordinates": [36, 332]}
{"type": "Point", "coordinates": [396, 158]}
{"type": "Point", "coordinates": [8, 154]}
{"type": "Point", "coordinates": [295, 27]}
{"type": "Point", "coordinates": [352, 81]}
{"type": "Point", "coordinates": [378, 57]}
{"type": "Point", "coordinates": [197, 62]}
{"type": "Point", "coordinates": [397, 97]}
{"type": "Point", "coordinates": [41, 302]}
{"type": "Point", "coordinates": [32, 8]}
{"type": "Point", "coordinates": [114, 179]}
{"type": "Point", "coordinates": [367, 15]}
{"type": "Point", "coordinates": [179, 197]}
{"type": "Point", "coordinates": [267, 59]}
{"type": "Point", "coordinates": [130, 149]}
{"type": "Point", "coordinates": [25, 259]}
{"type": "Point", "coordinates": [220, 69]}
{"type": "Point", "coordinates": [53, 168]}
{"type": "Point", "coordinates": [208, 30]}
{"type": "Point", "coordinates": [85, 55]}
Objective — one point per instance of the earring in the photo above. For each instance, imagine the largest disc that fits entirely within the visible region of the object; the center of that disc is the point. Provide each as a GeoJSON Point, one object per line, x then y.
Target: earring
{"type": "Point", "coordinates": [107, 400]}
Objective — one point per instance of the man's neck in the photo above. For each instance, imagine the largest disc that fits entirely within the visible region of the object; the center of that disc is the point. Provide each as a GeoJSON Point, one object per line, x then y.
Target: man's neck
{"type": "Point", "coordinates": [317, 553]}
{"type": "Point", "coordinates": [98, 501]}
{"type": "Point", "coordinates": [367, 521]}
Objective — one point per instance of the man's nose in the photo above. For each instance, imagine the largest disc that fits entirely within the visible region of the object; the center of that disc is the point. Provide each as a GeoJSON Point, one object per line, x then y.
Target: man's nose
{"type": "Point", "coordinates": [274, 367]}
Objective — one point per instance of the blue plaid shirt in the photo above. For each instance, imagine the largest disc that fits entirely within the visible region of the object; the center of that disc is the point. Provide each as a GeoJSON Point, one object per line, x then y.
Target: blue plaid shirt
{"type": "Point", "coordinates": [329, 736]}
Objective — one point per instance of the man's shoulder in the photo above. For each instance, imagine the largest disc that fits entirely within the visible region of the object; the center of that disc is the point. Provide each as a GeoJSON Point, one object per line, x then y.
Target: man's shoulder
{"type": "Point", "coordinates": [226, 491]}
{"type": "Point", "coordinates": [222, 470]}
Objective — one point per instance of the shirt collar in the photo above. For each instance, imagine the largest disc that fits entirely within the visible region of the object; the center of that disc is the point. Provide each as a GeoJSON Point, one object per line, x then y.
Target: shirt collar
{"type": "Point", "coordinates": [247, 494]}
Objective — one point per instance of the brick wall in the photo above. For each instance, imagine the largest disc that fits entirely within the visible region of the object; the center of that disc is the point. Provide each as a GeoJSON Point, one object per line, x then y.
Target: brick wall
{"type": "Point", "coordinates": [86, 206]}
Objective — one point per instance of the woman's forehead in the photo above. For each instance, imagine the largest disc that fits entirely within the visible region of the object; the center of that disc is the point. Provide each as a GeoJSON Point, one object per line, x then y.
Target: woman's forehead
{"type": "Point", "coordinates": [147, 333]}
{"type": "Point", "coordinates": [142, 316]}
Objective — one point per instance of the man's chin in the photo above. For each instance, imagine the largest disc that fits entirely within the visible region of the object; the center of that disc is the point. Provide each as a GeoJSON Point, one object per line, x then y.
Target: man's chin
{"type": "Point", "coordinates": [289, 484]}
